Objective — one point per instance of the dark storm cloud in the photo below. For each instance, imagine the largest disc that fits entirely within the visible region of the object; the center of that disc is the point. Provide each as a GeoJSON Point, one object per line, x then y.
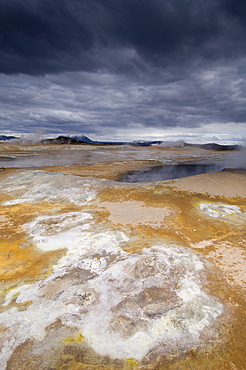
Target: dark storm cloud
{"type": "Point", "coordinates": [123, 69]}
{"type": "Point", "coordinates": [126, 36]}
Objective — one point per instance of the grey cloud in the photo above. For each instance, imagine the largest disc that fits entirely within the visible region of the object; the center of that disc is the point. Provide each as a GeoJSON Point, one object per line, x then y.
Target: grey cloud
{"type": "Point", "coordinates": [123, 36]}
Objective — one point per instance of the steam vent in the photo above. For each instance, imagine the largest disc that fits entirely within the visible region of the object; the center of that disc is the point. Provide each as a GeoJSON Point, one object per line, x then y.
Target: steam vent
{"type": "Point", "coordinates": [98, 273]}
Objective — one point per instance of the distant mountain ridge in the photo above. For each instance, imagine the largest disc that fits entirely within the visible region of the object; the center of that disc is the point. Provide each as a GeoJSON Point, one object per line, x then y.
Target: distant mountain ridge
{"type": "Point", "coordinates": [82, 139]}
{"type": "Point", "coordinates": [214, 146]}
{"type": "Point", "coordinates": [61, 140]}
{"type": "Point", "coordinates": [6, 138]}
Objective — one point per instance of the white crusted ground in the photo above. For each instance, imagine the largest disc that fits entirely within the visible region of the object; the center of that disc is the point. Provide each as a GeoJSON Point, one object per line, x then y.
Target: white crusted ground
{"type": "Point", "coordinates": [124, 304]}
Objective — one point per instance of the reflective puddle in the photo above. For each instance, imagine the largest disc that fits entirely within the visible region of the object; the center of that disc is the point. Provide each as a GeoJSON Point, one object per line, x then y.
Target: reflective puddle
{"type": "Point", "coordinates": [170, 172]}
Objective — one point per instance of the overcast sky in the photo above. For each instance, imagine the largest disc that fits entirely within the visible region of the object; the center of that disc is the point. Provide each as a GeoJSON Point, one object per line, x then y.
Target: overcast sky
{"type": "Point", "coordinates": [124, 69]}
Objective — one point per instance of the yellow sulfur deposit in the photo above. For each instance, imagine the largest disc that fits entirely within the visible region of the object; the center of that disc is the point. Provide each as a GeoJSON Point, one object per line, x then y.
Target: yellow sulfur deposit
{"type": "Point", "coordinates": [101, 274]}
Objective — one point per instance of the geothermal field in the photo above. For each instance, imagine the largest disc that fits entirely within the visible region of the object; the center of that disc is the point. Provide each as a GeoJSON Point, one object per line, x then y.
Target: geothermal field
{"type": "Point", "coordinates": [122, 257]}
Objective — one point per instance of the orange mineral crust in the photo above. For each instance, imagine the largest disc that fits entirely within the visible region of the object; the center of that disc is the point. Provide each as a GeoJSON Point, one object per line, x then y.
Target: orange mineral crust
{"type": "Point", "coordinates": [98, 274]}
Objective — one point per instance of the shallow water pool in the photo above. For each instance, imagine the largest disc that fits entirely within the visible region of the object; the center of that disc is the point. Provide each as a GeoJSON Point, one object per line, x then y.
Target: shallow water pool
{"type": "Point", "coordinates": [170, 172]}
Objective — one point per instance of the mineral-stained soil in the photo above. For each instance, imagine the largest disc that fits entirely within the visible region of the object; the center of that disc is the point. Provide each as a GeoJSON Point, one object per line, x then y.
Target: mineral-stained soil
{"type": "Point", "coordinates": [97, 274]}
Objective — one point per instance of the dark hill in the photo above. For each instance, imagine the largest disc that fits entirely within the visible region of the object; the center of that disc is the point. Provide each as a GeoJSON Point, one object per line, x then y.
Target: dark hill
{"type": "Point", "coordinates": [61, 140]}
{"type": "Point", "coordinates": [83, 139]}
{"type": "Point", "coordinates": [5, 138]}
{"type": "Point", "coordinates": [214, 146]}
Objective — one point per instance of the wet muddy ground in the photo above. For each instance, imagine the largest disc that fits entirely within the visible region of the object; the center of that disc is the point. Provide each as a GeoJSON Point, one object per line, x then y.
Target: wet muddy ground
{"type": "Point", "coordinates": [98, 274]}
